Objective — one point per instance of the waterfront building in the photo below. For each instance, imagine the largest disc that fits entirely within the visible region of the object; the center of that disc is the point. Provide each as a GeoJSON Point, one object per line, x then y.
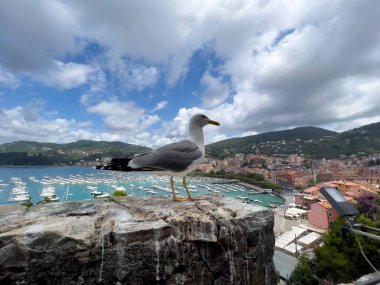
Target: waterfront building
{"type": "Point", "coordinates": [206, 168]}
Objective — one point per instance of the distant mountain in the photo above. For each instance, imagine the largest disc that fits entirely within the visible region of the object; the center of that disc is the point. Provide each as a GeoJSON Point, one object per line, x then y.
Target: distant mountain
{"type": "Point", "coordinates": [83, 151]}
{"type": "Point", "coordinates": [363, 140]}
{"type": "Point", "coordinates": [311, 141]}
{"type": "Point", "coordinates": [262, 141]}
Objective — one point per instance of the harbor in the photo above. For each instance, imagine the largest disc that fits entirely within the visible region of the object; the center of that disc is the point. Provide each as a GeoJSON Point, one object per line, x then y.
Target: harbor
{"type": "Point", "coordinates": [51, 184]}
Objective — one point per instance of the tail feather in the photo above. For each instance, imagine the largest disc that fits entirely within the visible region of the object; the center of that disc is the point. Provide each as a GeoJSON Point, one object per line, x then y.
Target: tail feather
{"type": "Point", "coordinates": [118, 164]}
{"type": "Point", "coordinates": [121, 164]}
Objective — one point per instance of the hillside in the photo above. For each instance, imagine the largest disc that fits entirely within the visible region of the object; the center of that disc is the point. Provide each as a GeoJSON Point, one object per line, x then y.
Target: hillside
{"type": "Point", "coordinates": [270, 142]}
{"type": "Point", "coordinates": [311, 141]}
{"type": "Point", "coordinates": [83, 151]}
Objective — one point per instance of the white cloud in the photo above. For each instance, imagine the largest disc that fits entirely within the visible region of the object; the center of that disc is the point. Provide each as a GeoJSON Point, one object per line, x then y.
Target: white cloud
{"type": "Point", "coordinates": [217, 138]}
{"type": "Point", "coordinates": [34, 39]}
{"type": "Point", "coordinates": [98, 84]}
{"type": "Point", "coordinates": [248, 134]}
{"type": "Point", "coordinates": [178, 128]}
{"type": "Point", "coordinates": [215, 91]}
{"type": "Point", "coordinates": [8, 79]}
{"type": "Point", "coordinates": [308, 63]}
{"type": "Point", "coordinates": [67, 75]}
{"type": "Point", "coordinates": [160, 105]}
{"type": "Point", "coordinates": [26, 123]}
{"type": "Point", "coordinates": [123, 117]}
{"type": "Point", "coordinates": [135, 76]}
{"type": "Point", "coordinates": [140, 77]}
{"type": "Point", "coordinates": [84, 124]}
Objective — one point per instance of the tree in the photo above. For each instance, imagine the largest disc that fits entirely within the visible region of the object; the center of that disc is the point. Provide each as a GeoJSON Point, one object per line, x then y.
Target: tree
{"type": "Point", "coordinates": [333, 264]}
{"type": "Point", "coordinates": [303, 274]}
{"type": "Point", "coordinates": [339, 259]}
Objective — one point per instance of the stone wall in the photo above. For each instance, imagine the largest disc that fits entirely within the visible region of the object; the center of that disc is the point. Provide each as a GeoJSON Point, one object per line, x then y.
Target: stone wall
{"type": "Point", "coordinates": [137, 240]}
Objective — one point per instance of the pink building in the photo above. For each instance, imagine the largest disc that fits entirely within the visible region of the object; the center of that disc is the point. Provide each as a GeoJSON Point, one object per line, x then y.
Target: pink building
{"type": "Point", "coordinates": [321, 214]}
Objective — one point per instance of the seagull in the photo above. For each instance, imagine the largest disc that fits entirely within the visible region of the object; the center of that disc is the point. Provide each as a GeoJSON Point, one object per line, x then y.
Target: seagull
{"type": "Point", "coordinates": [175, 159]}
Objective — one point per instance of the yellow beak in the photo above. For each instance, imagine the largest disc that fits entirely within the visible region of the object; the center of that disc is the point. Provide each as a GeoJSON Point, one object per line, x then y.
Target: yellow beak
{"type": "Point", "coordinates": [213, 122]}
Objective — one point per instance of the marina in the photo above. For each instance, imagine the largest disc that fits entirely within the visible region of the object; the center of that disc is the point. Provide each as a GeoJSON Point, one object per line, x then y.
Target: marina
{"type": "Point", "coordinates": [49, 184]}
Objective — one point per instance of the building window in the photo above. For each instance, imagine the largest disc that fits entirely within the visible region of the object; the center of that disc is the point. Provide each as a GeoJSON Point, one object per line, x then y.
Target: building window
{"type": "Point", "coordinates": [330, 214]}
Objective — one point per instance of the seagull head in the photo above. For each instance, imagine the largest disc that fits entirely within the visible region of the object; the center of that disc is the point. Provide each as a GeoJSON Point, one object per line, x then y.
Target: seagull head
{"type": "Point", "coordinates": [202, 120]}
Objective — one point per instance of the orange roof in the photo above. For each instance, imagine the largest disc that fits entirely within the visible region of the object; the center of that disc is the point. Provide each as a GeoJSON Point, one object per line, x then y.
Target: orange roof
{"type": "Point", "coordinates": [346, 183]}
{"type": "Point", "coordinates": [311, 190]}
{"type": "Point", "coordinates": [205, 166]}
{"type": "Point", "coordinates": [310, 197]}
{"type": "Point", "coordinates": [325, 204]}
{"type": "Point", "coordinates": [325, 184]}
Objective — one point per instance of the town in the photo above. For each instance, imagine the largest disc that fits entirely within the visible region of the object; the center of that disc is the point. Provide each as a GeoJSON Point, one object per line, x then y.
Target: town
{"type": "Point", "coordinates": [307, 215]}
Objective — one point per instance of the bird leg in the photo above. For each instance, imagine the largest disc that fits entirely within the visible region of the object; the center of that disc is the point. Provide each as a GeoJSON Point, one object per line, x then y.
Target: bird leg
{"type": "Point", "coordinates": [175, 198]}
{"type": "Point", "coordinates": [187, 190]}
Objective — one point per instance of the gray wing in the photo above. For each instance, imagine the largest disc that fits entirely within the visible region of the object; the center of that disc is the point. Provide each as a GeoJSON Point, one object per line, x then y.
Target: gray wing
{"type": "Point", "coordinates": [173, 157]}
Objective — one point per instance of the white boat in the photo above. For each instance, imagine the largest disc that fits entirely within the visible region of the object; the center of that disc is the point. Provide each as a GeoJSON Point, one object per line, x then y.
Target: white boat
{"type": "Point", "coordinates": [89, 187]}
{"type": "Point", "coordinates": [104, 195]}
{"type": "Point", "coordinates": [19, 198]}
{"type": "Point", "coordinates": [242, 197]}
{"type": "Point", "coordinates": [47, 191]}
{"type": "Point", "coordinates": [19, 190]}
{"type": "Point", "coordinates": [48, 194]}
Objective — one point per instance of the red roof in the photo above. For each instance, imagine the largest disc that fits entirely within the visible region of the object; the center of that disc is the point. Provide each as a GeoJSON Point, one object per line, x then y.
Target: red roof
{"type": "Point", "coordinates": [325, 204]}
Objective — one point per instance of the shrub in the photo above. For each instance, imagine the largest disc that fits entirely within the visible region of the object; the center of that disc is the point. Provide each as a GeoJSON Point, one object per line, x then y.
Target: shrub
{"type": "Point", "coordinates": [119, 193]}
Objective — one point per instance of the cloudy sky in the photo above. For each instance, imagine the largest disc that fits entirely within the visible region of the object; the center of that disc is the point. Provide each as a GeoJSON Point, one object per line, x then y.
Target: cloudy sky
{"type": "Point", "coordinates": [135, 71]}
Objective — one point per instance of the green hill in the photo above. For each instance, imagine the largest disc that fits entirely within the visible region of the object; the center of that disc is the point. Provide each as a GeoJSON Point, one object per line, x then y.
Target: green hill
{"type": "Point", "coordinates": [83, 151]}
{"type": "Point", "coordinates": [311, 141]}
{"type": "Point", "coordinates": [269, 143]}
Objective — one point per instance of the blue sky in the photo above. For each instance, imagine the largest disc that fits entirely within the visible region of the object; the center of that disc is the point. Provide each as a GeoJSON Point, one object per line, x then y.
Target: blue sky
{"type": "Point", "coordinates": [136, 71]}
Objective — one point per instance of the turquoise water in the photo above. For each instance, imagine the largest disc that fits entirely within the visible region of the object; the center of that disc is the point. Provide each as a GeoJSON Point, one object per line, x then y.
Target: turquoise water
{"type": "Point", "coordinates": [70, 183]}
{"type": "Point", "coordinates": [265, 199]}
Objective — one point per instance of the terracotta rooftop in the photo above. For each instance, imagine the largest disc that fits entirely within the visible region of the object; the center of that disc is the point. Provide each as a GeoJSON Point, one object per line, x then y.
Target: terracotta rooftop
{"type": "Point", "coordinates": [345, 183]}
{"type": "Point", "coordinates": [310, 197]}
{"type": "Point", "coordinates": [311, 190]}
{"type": "Point", "coordinates": [325, 204]}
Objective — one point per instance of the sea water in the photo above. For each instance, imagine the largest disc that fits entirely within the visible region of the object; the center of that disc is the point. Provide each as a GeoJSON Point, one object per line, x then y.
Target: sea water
{"type": "Point", "coordinates": [71, 183]}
